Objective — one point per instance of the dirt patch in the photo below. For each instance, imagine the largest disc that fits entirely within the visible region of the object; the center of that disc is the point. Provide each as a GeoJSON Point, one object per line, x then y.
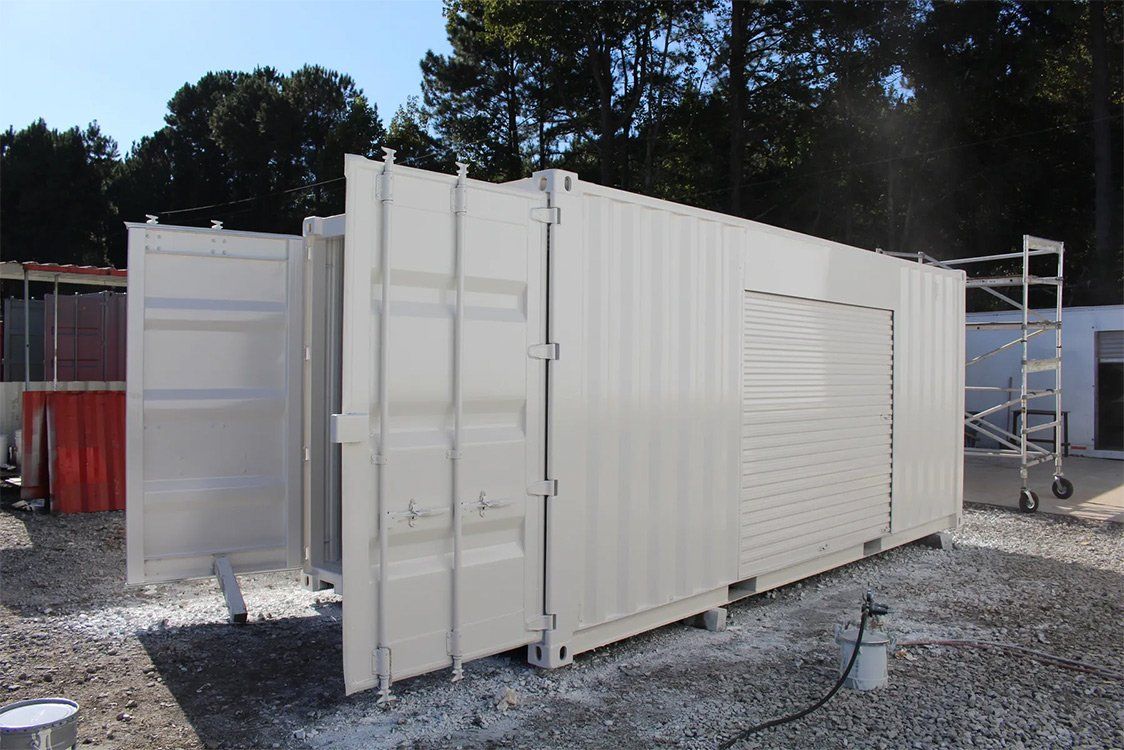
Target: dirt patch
{"type": "Point", "coordinates": [158, 667]}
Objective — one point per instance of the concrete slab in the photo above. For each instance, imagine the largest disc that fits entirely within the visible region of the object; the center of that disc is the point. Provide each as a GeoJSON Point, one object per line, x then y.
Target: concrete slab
{"type": "Point", "coordinates": [1098, 486]}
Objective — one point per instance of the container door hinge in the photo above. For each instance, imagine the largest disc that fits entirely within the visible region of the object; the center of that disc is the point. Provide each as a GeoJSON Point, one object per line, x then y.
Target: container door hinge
{"type": "Point", "coordinates": [545, 488]}
{"type": "Point", "coordinates": [541, 622]}
{"type": "Point", "coordinates": [543, 351]}
{"type": "Point", "coordinates": [547, 214]}
{"type": "Point", "coordinates": [349, 428]}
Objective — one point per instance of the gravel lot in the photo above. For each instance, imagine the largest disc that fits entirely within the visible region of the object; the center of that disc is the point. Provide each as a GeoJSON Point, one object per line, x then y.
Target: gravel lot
{"type": "Point", "coordinates": [157, 667]}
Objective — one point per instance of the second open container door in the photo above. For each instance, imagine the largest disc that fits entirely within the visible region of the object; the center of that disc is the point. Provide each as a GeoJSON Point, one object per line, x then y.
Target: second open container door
{"type": "Point", "coordinates": [404, 221]}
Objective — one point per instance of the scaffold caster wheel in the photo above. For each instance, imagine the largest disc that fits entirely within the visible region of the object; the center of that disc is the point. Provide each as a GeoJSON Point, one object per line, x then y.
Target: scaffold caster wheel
{"type": "Point", "coordinates": [1028, 501]}
{"type": "Point", "coordinates": [1062, 488]}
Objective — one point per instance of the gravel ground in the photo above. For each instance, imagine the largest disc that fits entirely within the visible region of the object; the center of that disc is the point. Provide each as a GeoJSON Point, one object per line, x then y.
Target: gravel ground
{"type": "Point", "coordinates": [157, 667]}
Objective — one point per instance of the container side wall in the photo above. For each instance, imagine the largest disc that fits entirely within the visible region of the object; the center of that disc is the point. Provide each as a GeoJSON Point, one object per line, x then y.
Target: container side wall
{"type": "Point", "coordinates": [649, 311]}
{"type": "Point", "coordinates": [91, 336]}
{"type": "Point", "coordinates": [928, 397]}
{"type": "Point", "coordinates": [646, 408]}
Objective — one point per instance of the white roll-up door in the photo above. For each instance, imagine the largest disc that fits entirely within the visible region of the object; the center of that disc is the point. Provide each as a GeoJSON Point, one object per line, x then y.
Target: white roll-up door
{"type": "Point", "coordinates": [816, 429]}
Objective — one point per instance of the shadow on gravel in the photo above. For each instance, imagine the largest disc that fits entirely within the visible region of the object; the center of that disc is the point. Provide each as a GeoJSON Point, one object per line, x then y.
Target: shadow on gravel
{"type": "Point", "coordinates": [265, 683]}
{"type": "Point", "coordinates": [248, 685]}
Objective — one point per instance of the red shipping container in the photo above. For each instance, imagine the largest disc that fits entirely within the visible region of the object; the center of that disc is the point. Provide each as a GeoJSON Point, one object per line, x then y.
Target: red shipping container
{"type": "Point", "coordinates": [91, 336]}
{"type": "Point", "coordinates": [85, 448]}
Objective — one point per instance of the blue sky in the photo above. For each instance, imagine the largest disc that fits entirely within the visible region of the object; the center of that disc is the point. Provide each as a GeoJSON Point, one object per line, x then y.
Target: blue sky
{"type": "Point", "coordinates": [120, 62]}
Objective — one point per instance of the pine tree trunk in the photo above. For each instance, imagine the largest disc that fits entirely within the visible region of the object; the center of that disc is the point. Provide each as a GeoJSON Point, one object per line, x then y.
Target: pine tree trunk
{"type": "Point", "coordinates": [1102, 157]}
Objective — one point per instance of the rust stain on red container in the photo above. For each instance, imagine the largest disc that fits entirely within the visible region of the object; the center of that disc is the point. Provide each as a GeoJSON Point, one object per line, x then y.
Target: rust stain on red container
{"type": "Point", "coordinates": [85, 449]}
{"type": "Point", "coordinates": [34, 471]}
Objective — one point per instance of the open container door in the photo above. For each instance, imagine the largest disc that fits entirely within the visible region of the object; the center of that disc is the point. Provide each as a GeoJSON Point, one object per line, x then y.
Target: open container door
{"type": "Point", "coordinates": [213, 402]}
{"type": "Point", "coordinates": [450, 596]}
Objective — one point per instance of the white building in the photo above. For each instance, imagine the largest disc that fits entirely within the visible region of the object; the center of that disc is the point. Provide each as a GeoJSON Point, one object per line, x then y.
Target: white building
{"type": "Point", "coordinates": [1092, 374]}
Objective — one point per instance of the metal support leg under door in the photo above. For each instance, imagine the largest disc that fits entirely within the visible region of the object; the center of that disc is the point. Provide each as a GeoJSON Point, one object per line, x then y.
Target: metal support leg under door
{"type": "Point", "coordinates": [228, 582]}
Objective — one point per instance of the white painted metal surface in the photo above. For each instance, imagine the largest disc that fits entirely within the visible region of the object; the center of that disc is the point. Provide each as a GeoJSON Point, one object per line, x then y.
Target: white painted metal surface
{"type": "Point", "coordinates": [646, 404]}
{"type": "Point", "coordinates": [817, 415]}
{"type": "Point", "coordinates": [928, 396]}
{"type": "Point", "coordinates": [644, 408]}
{"type": "Point", "coordinates": [213, 402]}
{"type": "Point", "coordinates": [554, 456]}
{"type": "Point", "coordinates": [501, 451]}
{"type": "Point", "coordinates": [323, 339]}
{"type": "Point", "coordinates": [1079, 368]}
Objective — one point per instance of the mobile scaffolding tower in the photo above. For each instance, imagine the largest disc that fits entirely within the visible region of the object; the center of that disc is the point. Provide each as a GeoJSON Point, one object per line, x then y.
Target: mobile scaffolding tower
{"type": "Point", "coordinates": [1011, 443]}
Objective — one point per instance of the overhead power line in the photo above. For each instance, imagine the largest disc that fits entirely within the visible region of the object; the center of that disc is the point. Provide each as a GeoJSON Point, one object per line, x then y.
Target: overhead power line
{"type": "Point", "coordinates": [250, 199]}
{"type": "Point", "coordinates": [407, 161]}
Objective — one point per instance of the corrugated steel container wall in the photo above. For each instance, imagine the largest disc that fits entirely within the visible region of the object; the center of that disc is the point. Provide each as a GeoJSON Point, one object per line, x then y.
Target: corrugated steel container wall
{"type": "Point", "coordinates": [928, 397]}
{"type": "Point", "coordinates": [646, 407]}
{"type": "Point", "coordinates": [91, 336]}
{"type": "Point", "coordinates": [74, 448]}
{"type": "Point", "coordinates": [644, 404]}
{"type": "Point", "coordinates": [87, 447]}
{"type": "Point", "coordinates": [14, 353]}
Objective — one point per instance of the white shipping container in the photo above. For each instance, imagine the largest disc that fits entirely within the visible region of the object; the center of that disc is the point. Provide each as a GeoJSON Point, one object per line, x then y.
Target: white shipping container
{"type": "Point", "coordinates": [545, 413]}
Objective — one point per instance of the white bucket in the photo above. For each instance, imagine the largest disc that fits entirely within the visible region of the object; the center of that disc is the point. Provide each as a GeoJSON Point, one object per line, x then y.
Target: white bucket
{"type": "Point", "coordinates": [39, 724]}
{"type": "Point", "coordinates": [869, 671]}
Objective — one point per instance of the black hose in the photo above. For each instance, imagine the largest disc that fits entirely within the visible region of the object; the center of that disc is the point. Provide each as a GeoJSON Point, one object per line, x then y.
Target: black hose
{"type": "Point", "coordinates": [801, 714]}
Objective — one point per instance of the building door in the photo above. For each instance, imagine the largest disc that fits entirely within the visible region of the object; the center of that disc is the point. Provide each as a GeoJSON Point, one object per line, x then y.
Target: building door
{"type": "Point", "coordinates": [1109, 435]}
